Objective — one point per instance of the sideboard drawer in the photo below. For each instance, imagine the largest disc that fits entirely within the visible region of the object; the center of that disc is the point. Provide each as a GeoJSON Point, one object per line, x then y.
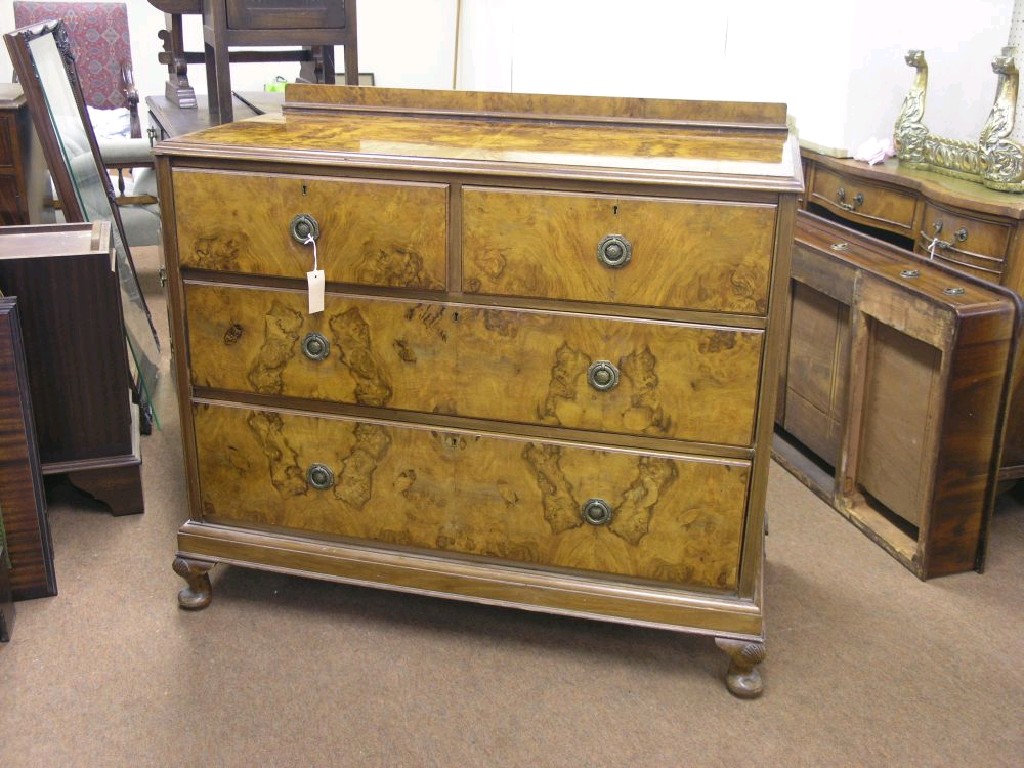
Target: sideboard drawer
{"type": "Point", "coordinates": [656, 517]}
{"type": "Point", "coordinates": [687, 254]}
{"type": "Point", "coordinates": [659, 379]}
{"type": "Point", "coordinates": [975, 245]}
{"type": "Point", "coordinates": [864, 202]}
{"type": "Point", "coordinates": [383, 233]}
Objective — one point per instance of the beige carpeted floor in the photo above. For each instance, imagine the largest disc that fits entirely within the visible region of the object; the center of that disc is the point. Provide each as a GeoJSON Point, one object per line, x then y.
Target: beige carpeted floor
{"type": "Point", "coordinates": [866, 665]}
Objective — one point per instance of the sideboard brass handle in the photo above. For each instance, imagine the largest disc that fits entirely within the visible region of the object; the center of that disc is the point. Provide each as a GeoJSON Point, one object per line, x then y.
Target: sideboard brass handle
{"type": "Point", "coordinates": [597, 512]}
{"type": "Point", "coordinates": [858, 200]}
{"type": "Point", "coordinates": [304, 228]}
{"type": "Point", "coordinates": [602, 375]}
{"type": "Point", "coordinates": [960, 235]}
{"type": "Point", "coordinates": [320, 476]}
{"type": "Point", "coordinates": [614, 251]}
{"type": "Point", "coordinates": [934, 243]}
{"type": "Point", "coordinates": [315, 346]}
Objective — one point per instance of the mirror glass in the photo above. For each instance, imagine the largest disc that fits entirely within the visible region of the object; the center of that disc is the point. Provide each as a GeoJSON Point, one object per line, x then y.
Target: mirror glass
{"type": "Point", "coordinates": [94, 192]}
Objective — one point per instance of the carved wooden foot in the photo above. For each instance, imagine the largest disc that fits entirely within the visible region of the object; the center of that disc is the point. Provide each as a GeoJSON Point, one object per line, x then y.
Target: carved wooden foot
{"type": "Point", "coordinates": [198, 593]}
{"type": "Point", "coordinates": [743, 678]}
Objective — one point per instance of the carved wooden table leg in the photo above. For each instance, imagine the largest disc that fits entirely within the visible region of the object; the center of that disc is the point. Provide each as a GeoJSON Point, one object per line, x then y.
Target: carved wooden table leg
{"type": "Point", "coordinates": [743, 678]}
{"type": "Point", "coordinates": [198, 593]}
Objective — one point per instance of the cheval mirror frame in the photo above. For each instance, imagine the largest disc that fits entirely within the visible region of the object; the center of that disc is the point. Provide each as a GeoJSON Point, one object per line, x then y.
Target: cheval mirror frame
{"type": "Point", "coordinates": [45, 66]}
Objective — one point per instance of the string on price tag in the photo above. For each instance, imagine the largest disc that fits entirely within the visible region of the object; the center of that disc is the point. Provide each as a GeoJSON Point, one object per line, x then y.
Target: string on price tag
{"type": "Point", "coordinates": [315, 280]}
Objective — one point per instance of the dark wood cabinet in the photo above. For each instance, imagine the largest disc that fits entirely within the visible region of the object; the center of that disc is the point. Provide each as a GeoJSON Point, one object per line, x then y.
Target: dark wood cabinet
{"type": "Point", "coordinates": [23, 179]}
{"type": "Point", "coordinates": [316, 25]}
{"type": "Point", "coordinates": [22, 501]}
{"type": "Point", "coordinates": [66, 282]}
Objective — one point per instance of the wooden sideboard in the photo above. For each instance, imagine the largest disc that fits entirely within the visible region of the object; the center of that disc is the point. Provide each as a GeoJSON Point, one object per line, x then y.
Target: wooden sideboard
{"type": "Point", "coordinates": [958, 223]}
{"type": "Point", "coordinates": [857, 413]}
{"type": "Point", "coordinates": [538, 375]}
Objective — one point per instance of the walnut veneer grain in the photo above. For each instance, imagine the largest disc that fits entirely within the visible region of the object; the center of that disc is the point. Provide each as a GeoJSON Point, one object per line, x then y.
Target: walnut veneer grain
{"type": "Point", "coordinates": [543, 372]}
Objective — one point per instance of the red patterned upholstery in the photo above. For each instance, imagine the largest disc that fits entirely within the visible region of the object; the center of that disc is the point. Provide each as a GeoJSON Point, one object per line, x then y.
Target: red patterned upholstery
{"type": "Point", "coordinates": [99, 40]}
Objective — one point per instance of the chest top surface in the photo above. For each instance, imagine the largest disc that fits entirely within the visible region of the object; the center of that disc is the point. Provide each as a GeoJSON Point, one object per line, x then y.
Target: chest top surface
{"type": "Point", "coordinates": [642, 140]}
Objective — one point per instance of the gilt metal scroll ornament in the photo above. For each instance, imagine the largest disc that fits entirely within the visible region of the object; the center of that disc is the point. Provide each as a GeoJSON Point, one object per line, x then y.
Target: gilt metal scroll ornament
{"type": "Point", "coordinates": [996, 160]}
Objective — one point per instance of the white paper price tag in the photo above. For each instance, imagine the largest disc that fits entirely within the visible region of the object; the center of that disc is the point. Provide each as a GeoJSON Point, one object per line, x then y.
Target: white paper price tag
{"type": "Point", "coordinates": [316, 290]}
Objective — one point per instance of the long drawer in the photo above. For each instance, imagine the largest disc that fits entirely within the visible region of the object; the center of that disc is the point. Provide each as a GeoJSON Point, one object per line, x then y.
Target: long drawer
{"type": "Point", "coordinates": [658, 379]}
{"type": "Point", "coordinates": [382, 233]}
{"type": "Point", "coordinates": [686, 254]}
{"type": "Point", "coordinates": [656, 517]}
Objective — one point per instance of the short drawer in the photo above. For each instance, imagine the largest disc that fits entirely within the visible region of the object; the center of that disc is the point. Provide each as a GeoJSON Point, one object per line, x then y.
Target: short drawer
{"type": "Point", "coordinates": [658, 379]}
{"type": "Point", "coordinates": [861, 201]}
{"type": "Point", "coordinates": [370, 232]}
{"type": "Point", "coordinates": [977, 246]}
{"type": "Point", "coordinates": [686, 254]}
{"type": "Point", "coordinates": [373, 352]}
{"type": "Point", "coordinates": [654, 517]}
{"type": "Point", "coordinates": [672, 380]}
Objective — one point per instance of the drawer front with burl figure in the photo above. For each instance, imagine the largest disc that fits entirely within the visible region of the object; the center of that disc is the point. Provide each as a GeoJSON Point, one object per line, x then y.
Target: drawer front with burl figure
{"type": "Point", "coordinates": [658, 379]}
{"type": "Point", "coordinates": [376, 233]}
{"type": "Point", "coordinates": [655, 517]}
{"type": "Point", "coordinates": [682, 254]}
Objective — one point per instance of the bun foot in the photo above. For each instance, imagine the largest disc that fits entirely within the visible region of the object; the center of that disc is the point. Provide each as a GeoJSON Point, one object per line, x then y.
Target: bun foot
{"type": "Point", "coordinates": [198, 593]}
{"type": "Point", "coordinates": [743, 678]}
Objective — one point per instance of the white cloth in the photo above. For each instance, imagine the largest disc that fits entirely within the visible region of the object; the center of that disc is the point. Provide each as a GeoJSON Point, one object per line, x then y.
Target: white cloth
{"type": "Point", "coordinates": [875, 150]}
{"type": "Point", "coordinates": [110, 123]}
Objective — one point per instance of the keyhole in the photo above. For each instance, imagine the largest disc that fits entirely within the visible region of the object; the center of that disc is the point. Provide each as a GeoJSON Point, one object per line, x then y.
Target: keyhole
{"type": "Point", "coordinates": [615, 210]}
{"type": "Point", "coordinates": [304, 190]}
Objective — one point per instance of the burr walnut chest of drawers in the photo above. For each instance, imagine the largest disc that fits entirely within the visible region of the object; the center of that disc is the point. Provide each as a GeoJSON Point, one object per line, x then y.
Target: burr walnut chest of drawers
{"type": "Point", "coordinates": [543, 374]}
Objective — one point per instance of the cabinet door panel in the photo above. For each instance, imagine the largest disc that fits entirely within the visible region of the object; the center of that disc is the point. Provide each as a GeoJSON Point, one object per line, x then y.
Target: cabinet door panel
{"type": "Point", "coordinates": [817, 372]}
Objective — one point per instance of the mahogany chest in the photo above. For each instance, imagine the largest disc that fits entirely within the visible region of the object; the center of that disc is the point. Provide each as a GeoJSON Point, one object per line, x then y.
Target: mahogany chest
{"type": "Point", "coordinates": [505, 348]}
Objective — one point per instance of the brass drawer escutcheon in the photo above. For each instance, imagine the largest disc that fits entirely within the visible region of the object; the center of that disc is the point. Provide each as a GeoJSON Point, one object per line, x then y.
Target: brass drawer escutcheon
{"type": "Point", "coordinates": [315, 346]}
{"type": "Point", "coordinates": [602, 375]}
{"type": "Point", "coordinates": [597, 512]}
{"type": "Point", "coordinates": [320, 476]}
{"type": "Point", "coordinates": [614, 251]}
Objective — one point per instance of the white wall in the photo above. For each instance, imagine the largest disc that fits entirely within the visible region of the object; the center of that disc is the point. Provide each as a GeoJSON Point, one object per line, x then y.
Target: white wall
{"type": "Point", "coordinates": [838, 65]}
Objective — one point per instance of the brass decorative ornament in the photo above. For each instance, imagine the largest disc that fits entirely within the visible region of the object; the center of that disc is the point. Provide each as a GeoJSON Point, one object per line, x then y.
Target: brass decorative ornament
{"type": "Point", "coordinates": [996, 160]}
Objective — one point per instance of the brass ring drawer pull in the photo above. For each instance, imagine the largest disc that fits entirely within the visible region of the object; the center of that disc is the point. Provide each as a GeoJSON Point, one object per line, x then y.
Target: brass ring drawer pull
{"type": "Point", "coordinates": [858, 200]}
{"type": "Point", "coordinates": [304, 228]}
{"type": "Point", "coordinates": [320, 476]}
{"type": "Point", "coordinates": [315, 346]}
{"type": "Point", "coordinates": [597, 512]}
{"type": "Point", "coordinates": [602, 375]}
{"type": "Point", "coordinates": [614, 251]}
